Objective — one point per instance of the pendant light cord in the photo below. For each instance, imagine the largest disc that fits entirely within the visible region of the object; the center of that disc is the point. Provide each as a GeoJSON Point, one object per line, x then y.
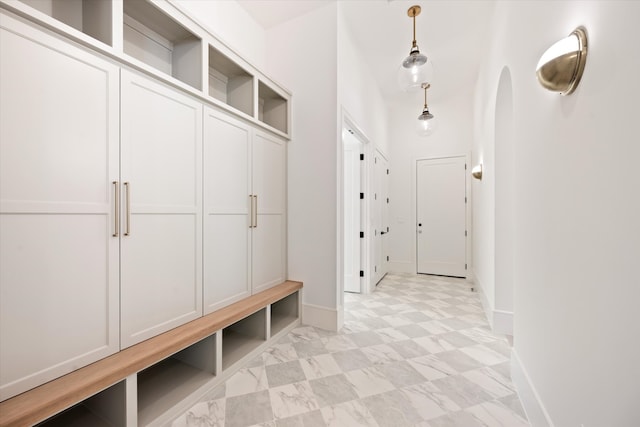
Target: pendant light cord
{"type": "Point", "coordinates": [415, 44]}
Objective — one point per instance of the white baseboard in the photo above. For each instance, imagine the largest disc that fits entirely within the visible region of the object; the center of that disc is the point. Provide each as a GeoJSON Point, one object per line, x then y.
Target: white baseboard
{"type": "Point", "coordinates": [330, 319]}
{"type": "Point", "coordinates": [402, 267]}
{"type": "Point", "coordinates": [531, 403]}
{"type": "Point", "coordinates": [486, 306]}
{"type": "Point", "coordinates": [503, 322]}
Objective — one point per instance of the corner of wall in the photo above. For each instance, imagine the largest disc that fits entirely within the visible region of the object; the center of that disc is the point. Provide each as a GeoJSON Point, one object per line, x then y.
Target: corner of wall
{"type": "Point", "coordinates": [329, 319]}
{"type": "Point", "coordinates": [486, 305]}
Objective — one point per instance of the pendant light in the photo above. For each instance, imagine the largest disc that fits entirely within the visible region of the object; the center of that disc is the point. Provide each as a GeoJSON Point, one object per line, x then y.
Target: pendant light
{"type": "Point", "coordinates": [415, 68]}
{"type": "Point", "coordinates": [427, 122]}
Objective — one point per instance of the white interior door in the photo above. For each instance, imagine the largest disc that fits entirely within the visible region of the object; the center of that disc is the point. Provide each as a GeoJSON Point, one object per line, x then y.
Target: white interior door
{"type": "Point", "coordinates": [352, 214]}
{"type": "Point", "coordinates": [441, 216]}
{"type": "Point", "coordinates": [380, 217]}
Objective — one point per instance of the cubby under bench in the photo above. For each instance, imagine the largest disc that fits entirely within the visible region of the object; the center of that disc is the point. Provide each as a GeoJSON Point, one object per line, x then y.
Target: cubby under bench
{"type": "Point", "coordinates": [158, 379]}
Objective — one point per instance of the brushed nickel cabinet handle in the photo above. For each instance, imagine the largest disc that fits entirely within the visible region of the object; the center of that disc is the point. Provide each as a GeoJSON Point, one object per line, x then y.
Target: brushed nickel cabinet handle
{"type": "Point", "coordinates": [250, 210]}
{"type": "Point", "coordinates": [127, 187]}
{"type": "Point", "coordinates": [255, 212]}
{"type": "Point", "coordinates": [116, 209]}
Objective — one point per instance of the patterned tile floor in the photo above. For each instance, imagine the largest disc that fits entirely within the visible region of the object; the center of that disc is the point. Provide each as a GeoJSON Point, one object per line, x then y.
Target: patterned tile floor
{"type": "Point", "coordinates": [416, 352]}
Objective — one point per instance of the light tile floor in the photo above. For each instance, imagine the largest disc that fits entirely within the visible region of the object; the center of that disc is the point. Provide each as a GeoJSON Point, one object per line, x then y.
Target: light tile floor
{"type": "Point", "coordinates": [416, 352]}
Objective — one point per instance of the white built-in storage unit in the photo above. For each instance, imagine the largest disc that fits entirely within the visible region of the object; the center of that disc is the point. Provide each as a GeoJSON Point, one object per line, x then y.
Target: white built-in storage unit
{"type": "Point", "coordinates": [142, 187]}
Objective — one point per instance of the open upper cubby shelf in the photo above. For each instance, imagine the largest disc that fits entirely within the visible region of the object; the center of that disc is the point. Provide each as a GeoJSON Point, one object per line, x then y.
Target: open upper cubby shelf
{"type": "Point", "coordinates": [154, 38]}
{"type": "Point", "coordinates": [230, 83]}
{"type": "Point", "coordinates": [159, 38]}
{"type": "Point", "coordinates": [88, 16]}
{"type": "Point", "coordinates": [272, 108]}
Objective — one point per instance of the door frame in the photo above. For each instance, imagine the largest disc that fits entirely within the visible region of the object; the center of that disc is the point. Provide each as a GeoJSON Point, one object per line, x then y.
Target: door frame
{"type": "Point", "coordinates": [348, 122]}
{"type": "Point", "coordinates": [468, 218]}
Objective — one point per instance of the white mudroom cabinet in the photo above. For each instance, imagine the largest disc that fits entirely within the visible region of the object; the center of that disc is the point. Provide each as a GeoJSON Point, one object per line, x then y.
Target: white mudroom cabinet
{"type": "Point", "coordinates": [59, 155]}
{"type": "Point", "coordinates": [244, 214]}
{"type": "Point", "coordinates": [142, 186]}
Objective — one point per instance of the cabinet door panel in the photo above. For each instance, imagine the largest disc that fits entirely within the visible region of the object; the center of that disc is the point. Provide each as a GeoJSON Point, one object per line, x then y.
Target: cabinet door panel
{"type": "Point", "coordinates": [269, 173]}
{"type": "Point", "coordinates": [159, 267]}
{"type": "Point", "coordinates": [67, 252]}
{"type": "Point", "coordinates": [268, 252]}
{"type": "Point", "coordinates": [161, 279]}
{"type": "Point", "coordinates": [226, 211]}
{"type": "Point", "coordinates": [59, 287]}
{"type": "Point", "coordinates": [269, 237]}
{"type": "Point", "coordinates": [226, 272]}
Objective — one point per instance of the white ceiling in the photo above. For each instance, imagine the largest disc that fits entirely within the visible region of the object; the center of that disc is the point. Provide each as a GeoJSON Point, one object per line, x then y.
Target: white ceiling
{"type": "Point", "coordinates": [450, 32]}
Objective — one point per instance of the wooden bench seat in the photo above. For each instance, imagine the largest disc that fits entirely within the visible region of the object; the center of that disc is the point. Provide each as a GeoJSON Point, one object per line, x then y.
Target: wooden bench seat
{"type": "Point", "coordinates": [55, 396]}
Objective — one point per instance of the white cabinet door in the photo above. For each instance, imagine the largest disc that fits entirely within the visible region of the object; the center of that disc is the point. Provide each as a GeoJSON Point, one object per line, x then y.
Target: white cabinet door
{"type": "Point", "coordinates": [161, 252]}
{"type": "Point", "coordinates": [227, 203]}
{"type": "Point", "coordinates": [58, 159]}
{"type": "Point", "coordinates": [269, 233]}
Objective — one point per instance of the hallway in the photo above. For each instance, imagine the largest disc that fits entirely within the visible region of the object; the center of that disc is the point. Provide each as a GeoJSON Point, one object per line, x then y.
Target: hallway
{"type": "Point", "coordinates": [416, 352]}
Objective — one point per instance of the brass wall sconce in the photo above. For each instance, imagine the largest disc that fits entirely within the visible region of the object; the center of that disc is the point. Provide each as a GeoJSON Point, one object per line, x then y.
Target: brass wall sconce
{"type": "Point", "coordinates": [561, 66]}
{"type": "Point", "coordinates": [476, 172]}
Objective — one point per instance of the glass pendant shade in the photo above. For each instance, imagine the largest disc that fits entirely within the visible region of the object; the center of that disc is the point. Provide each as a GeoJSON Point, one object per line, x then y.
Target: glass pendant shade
{"type": "Point", "coordinates": [414, 70]}
{"type": "Point", "coordinates": [427, 123]}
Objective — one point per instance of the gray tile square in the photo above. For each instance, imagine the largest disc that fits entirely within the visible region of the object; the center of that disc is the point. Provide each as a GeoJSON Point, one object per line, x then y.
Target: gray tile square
{"type": "Point", "coordinates": [457, 339]}
{"type": "Point", "coordinates": [332, 390]}
{"type": "Point", "coordinates": [416, 316]}
{"type": "Point", "coordinates": [364, 339]}
{"type": "Point", "coordinates": [413, 331]}
{"type": "Point", "coordinates": [392, 409]}
{"type": "Point", "coordinates": [401, 374]}
{"type": "Point", "coordinates": [237, 415]}
{"type": "Point", "coordinates": [306, 349]}
{"type": "Point", "coordinates": [463, 392]}
{"type": "Point", "coordinates": [376, 323]}
{"type": "Point", "coordinates": [458, 360]}
{"type": "Point", "coordinates": [409, 349]}
{"type": "Point", "coordinates": [351, 359]}
{"type": "Point", "coordinates": [284, 373]}
{"type": "Point", "coordinates": [456, 324]}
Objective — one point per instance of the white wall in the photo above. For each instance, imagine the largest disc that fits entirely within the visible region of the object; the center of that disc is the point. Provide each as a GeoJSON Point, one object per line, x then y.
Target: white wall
{"type": "Point", "coordinates": [576, 212]}
{"type": "Point", "coordinates": [484, 199]}
{"type": "Point", "coordinates": [453, 137]}
{"type": "Point", "coordinates": [302, 55]}
{"type": "Point", "coordinates": [228, 21]}
{"type": "Point", "coordinates": [313, 55]}
{"type": "Point", "coordinates": [358, 91]}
